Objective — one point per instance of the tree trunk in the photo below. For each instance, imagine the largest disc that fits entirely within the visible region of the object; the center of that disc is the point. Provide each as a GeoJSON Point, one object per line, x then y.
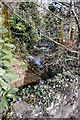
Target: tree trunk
{"type": "Point", "coordinates": [5, 14]}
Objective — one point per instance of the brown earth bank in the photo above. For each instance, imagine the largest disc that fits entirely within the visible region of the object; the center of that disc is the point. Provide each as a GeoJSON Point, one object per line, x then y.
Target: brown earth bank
{"type": "Point", "coordinates": [25, 76]}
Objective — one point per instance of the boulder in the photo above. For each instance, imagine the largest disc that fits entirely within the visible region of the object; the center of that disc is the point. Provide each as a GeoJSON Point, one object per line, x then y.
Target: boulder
{"type": "Point", "coordinates": [22, 109]}
{"type": "Point", "coordinates": [25, 76]}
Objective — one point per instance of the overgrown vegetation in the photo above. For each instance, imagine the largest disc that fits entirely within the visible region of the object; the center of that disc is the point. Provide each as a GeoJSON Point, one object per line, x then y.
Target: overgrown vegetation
{"type": "Point", "coordinates": [47, 37]}
{"type": "Point", "coordinates": [7, 94]}
{"type": "Point", "coordinates": [24, 35]}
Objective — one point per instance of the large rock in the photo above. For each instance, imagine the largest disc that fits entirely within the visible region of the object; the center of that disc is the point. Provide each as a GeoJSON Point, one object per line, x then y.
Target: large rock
{"type": "Point", "coordinates": [32, 74]}
{"type": "Point", "coordinates": [22, 109]}
{"type": "Point", "coordinates": [24, 76]}
{"type": "Point", "coordinates": [66, 104]}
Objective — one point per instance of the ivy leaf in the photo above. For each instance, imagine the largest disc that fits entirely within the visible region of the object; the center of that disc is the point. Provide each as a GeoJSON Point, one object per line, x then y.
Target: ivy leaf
{"type": "Point", "coordinates": [7, 64]}
{"type": "Point", "coordinates": [2, 71]}
{"type": "Point", "coordinates": [0, 54]}
{"type": "Point", "coordinates": [1, 20]}
{"type": "Point", "coordinates": [11, 75]}
{"type": "Point", "coordinates": [1, 41]}
{"type": "Point", "coordinates": [0, 62]}
{"type": "Point", "coordinates": [6, 39]}
{"type": "Point", "coordinates": [6, 51]}
{"type": "Point", "coordinates": [14, 90]}
{"type": "Point", "coordinates": [2, 31]}
{"type": "Point", "coordinates": [1, 93]}
{"type": "Point", "coordinates": [10, 45]}
{"type": "Point", "coordinates": [4, 102]}
{"type": "Point", "coordinates": [8, 57]}
{"type": "Point", "coordinates": [4, 84]}
{"type": "Point", "coordinates": [6, 78]}
{"type": "Point", "coordinates": [12, 96]}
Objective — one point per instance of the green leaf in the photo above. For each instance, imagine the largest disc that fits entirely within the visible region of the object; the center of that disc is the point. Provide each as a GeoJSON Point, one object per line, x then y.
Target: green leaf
{"type": "Point", "coordinates": [5, 85]}
{"type": "Point", "coordinates": [11, 75]}
{"type": "Point", "coordinates": [1, 93]}
{"type": "Point", "coordinates": [6, 39]}
{"type": "Point", "coordinates": [1, 40]}
{"type": "Point", "coordinates": [8, 57]}
{"type": "Point", "coordinates": [2, 71]}
{"type": "Point", "coordinates": [10, 45]}
{"type": "Point", "coordinates": [0, 62]}
{"type": "Point", "coordinates": [13, 96]}
{"type": "Point", "coordinates": [14, 90]}
{"type": "Point", "coordinates": [6, 78]}
{"type": "Point", "coordinates": [4, 102]}
{"type": "Point", "coordinates": [5, 92]}
{"type": "Point", "coordinates": [2, 31]}
{"type": "Point", "coordinates": [2, 20]}
{"type": "Point", "coordinates": [10, 95]}
{"type": "Point", "coordinates": [0, 54]}
{"type": "Point", "coordinates": [7, 64]}
{"type": "Point", "coordinates": [6, 51]}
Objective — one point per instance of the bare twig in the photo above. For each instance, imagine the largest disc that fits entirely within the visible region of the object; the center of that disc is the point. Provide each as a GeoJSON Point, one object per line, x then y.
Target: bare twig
{"type": "Point", "coordinates": [41, 33]}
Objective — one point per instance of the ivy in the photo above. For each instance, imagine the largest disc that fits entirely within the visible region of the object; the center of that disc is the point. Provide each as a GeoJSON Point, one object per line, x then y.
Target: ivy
{"type": "Point", "coordinates": [6, 55]}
